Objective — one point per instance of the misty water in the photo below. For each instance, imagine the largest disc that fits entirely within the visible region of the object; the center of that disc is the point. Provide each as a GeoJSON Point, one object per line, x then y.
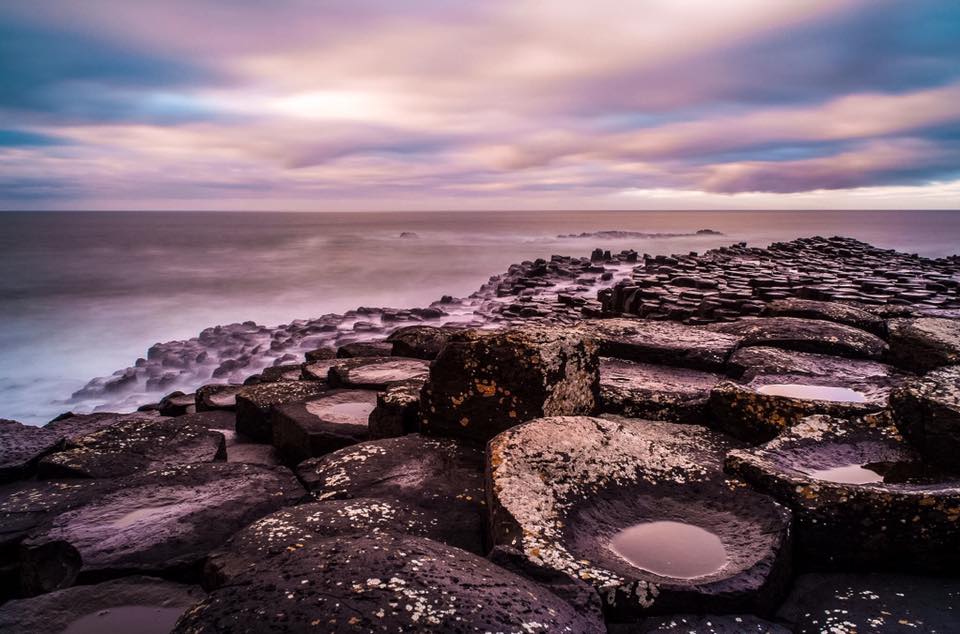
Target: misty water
{"type": "Point", "coordinates": [83, 294]}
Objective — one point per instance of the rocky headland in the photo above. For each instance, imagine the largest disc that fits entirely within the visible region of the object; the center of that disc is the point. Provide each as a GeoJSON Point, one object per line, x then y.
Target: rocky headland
{"type": "Point", "coordinates": [743, 440]}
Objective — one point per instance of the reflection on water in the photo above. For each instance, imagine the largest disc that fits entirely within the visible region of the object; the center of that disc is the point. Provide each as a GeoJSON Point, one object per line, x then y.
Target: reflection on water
{"type": "Point", "coordinates": [813, 392]}
{"type": "Point", "coordinates": [671, 549]}
{"type": "Point", "coordinates": [888, 472]}
{"type": "Point", "coordinates": [142, 619]}
{"type": "Point", "coordinates": [83, 294]}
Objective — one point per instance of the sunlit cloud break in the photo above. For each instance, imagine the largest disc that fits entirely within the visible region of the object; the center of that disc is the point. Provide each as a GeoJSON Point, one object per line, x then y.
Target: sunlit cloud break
{"type": "Point", "coordinates": [210, 104]}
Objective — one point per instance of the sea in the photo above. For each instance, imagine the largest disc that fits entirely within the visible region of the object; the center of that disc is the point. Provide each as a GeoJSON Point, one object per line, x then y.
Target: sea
{"type": "Point", "coordinates": [85, 293]}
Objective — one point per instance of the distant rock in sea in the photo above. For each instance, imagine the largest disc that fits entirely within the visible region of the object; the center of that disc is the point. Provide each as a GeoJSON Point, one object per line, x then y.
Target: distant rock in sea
{"type": "Point", "coordinates": [409, 235]}
{"type": "Point", "coordinates": [620, 235]}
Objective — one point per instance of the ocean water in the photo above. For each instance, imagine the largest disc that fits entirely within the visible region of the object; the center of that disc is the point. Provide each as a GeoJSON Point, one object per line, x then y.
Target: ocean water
{"type": "Point", "coordinates": [85, 293]}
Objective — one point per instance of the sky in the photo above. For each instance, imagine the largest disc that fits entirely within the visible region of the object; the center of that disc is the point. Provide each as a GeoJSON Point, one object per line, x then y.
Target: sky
{"type": "Point", "coordinates": [445, 105]}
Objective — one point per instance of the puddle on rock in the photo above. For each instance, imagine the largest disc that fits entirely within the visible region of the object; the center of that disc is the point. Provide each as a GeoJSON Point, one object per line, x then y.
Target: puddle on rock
{"type": "Point", "coordinates": [671, 549]}
{"type": "Point", "coordinates": [813, 392]}
{"type": "Point", "coordinates": [879, 472]}
{"type": "Point", "coordinates": [349, 413]}
{"type": "Point", "coordinates": [143, 619]}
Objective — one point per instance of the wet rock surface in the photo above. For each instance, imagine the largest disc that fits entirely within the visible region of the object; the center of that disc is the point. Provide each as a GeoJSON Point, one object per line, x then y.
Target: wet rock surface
{"type": "Point", "coordinates": [872, 603]}
{"type": "Point", "coordinates": [827, 311]}
{"type": "Point", "coordinates": [562, 489]}
{"type": "Point", "coordinates": [22, 446]}
{"type": "Point", "coordinates": [927, 413]}
{"type": "Point", "coordinates": [642, 390]}
{"type": "Point", "coordinates": [334, 420]}
{"type": "Point", "coordinates": [659, 342]}
{"type": "Point", "coordinates": [217, 397]}
{"type": "Point", "coordinates": [806, 335]}
{"type": "Point", "coordinates": [703, 624]}
{"type": "Point", "coordinates": [144, 605]}
{"type": "Point", "coordinates": [377, 373]}
{"type": "Point", "coordinates": [861, 497]}
{"type": "Point", "coordinates": [924, 344]}
{"type": "Point", "coordinates": [385, 582]}
{"type": "Point", "coordinates": [482, 384]}
{"type": "Point", "coordinates": [436, 475]}
{"type": "Point", "coordinates": [137, 445]}
{"type": "Point", "coordinates": [157, 522]}
{"type": "Point", "coordinates": [255, 402]}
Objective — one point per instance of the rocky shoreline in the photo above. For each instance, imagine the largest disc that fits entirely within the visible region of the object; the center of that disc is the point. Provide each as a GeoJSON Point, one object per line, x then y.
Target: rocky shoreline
{"type": "Point", "coordinates": [747, 439]}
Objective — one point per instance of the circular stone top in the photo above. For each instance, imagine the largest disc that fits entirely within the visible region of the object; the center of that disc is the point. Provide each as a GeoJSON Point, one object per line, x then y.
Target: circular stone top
{"type": "Point", "coordinates": [563, 489]}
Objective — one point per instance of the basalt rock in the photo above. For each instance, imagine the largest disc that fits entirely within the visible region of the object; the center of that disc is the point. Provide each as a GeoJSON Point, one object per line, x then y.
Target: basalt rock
{"type": "Point", "coordinates": [419, 342]}
{"type": "Point", "coordinates": [397, 411]}
{"type": "Point", "coordinates": [872, 603]}
{"type": "Point", "coordinates": [22, 446]}
{"type": "Point", "coordinates": [297, 527]}
{"type": "Point", "coordinates": [749, 363]}
{"type": "Point", "coordinates": [331, 421]}
{"type": "Point", "coordinates": [286, 372]}
{"type": "Point", "coordinates": [217, 397]}
{"type": "Point", "coordinates": [239, 447]}
{"type": "Point", "coordinates": [365, 349]}
{"type": "Point", "coordinates": [72, 427]}
{"type": "Point", "coordinates": [136, 445]}
{"type": "Point", "coordinates": [255, 402]}
{"type": "Point", "coordinates": [805, 335]}
{"type": "Point", "coordinates": [435, 475]}
{"type": "Point", "coordinates": [159, 522]}
{"type": "Point", "coordinates": [927, 413]}
{"type": "Point", "coordinates": [561, 489]}
{"type": "Point", "coordinates": [483, 383]}
{"type": "Point", "coordinates": [662, 342]}
{"type": "Point", "coordinates": [924, 344]}
{"type": "Point", "coordinates": [657, 392]}
{"type": "Point", "coordinates": [768, 404]}
{"type": "Point", "coordinates": [320, 354]}
{"type": "Point", "coordinates": [701, 624]}
{"type": "Point", "coordinates": [144, 605]}
{"type": "Point", "coordinates": [861, 497]}
{"type": "Point", "coordinates": [377, 373]}
{"type": "Point", "coordinates": [384, 582]}
{"type": "Point", "coordinates": [827, 311]}
{"type": "Point", "coordinates": [177, 404]}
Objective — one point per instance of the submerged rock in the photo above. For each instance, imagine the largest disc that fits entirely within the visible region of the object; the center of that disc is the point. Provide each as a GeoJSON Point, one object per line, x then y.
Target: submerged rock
{"type": "Point", "coordinates": [658, 392]}
{"type": "Point", "coordinates": [158, 522]}
{"type": "Point", "coordinates": [872, 603]}
{"type": "Point", "coordinates": [144, 605]}
{"type": "Point", "coordinates": [137, 445]}
{"type": "Point", "coordinates": [569, 492]}
{"type": "Point", "coordinates": [436, 475]}
{"type": "Point", "coordinates": [662, 342]}
{"type": "Point", "coordinates": [22, 446]}
{"type": "Point", "coordinates": [382, 582]}
{"type": "Point", "coordinates": [927, 413]}
{"type": "Point", "coordinates": [331, 421]}
{"type": "Point", "coordinates": [805, 335]}
{"type": "Point", "coordinates": [860, 496]}
{"type": "Point", "coordinates": [254, 405]}
{"type": "Point", "coordinates": [483, 383]}
{"type": "Point", "coordinates": [924, 344]}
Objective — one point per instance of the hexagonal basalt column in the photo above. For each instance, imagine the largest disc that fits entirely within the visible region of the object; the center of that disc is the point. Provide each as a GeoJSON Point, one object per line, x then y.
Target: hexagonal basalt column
{"type": "Point", "coordinates": [641, 511]}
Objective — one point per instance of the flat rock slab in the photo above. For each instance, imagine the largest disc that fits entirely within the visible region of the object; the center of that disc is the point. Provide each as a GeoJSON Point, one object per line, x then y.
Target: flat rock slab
{"type": "Point", "coordinates": [419, 342]}
{"type": "Point", "coordinates": [240, 449]}
{"type": "Point", "coordinates": [331, 421]}
{"type": "Point", "coordinates": [254, 403]}
{"type": "Point", "coordinates": [217, 397]}
{"type": "Point", "coordinates": [144, 605]}
{"type": "Point", "coordinates": [827, 311]}
{"type": "Point", "coordinates": [296, 527]}
{"type": "Point", "coordinates": [927, 413]}
{"type": "Point", "coordinates": [365, 349]}
{"type": "Point", "coordinates": [22, 446]}
{"type": "Point", "coordinates": [160, 521]}
{"type": "Point", "coordinates": [872, 603]}
{"type": "Point", "coordinates": [433, 474]}
{"type": "Point", "coordinates": [662, 342]}
{"type": "Point", "coordinates": [657, 392]}
{"type": "Point", "coordinates": [377, 373]}
{"type": "Point", "coordinates": [75, 426]}
{"type": "Point", "coordinates": [483, 383]}
{"type": "Point", "coordinates": [385, 582]}
{"type": "Point", "coordinates": [924, 344]}
{"type": "Point", "coordinates": [860, 496]}
{"type": "Point", "coordinates": [27, 504]}
{"type": "Point", "coordinates": [560, 489]}
{"type": "Point", "coordinates": [770, 403]}
{"type": "Point", "coordinates": [137, 445]}
{"type": "Point", "coordinates": [805, 335]}
{"type": "Point", "coordinates": [751, 362]}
